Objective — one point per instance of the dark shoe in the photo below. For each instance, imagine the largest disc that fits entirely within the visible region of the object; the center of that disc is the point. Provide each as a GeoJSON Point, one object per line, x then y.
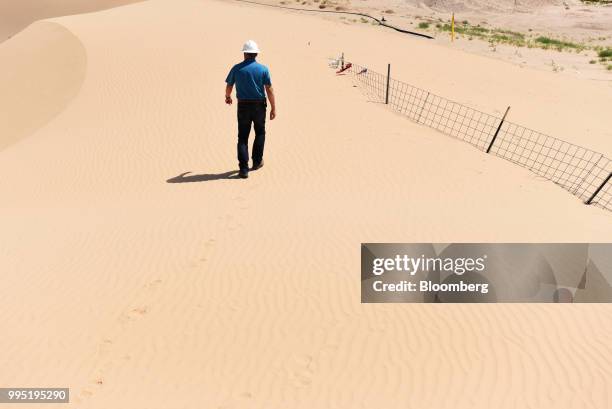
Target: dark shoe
{"type": "Point", "coordinates": [243, 173]}
{"type": "Point", "coordinates": [257, 165]}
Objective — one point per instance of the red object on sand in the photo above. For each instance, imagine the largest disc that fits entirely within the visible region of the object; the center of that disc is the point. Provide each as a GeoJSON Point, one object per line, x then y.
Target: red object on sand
{"type": "Point", "coordinates": [346, 67]}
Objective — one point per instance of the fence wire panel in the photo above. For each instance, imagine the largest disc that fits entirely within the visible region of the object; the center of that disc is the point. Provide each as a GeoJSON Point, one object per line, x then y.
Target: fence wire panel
{"type": "Point", "coordinates": [579, 170]}
{"type": "Point", "coordinates": [600, 173]}
{"type": "Point", "coordinates": [561, 162]}
{"type": "Point", "coordinates": [373, 82]}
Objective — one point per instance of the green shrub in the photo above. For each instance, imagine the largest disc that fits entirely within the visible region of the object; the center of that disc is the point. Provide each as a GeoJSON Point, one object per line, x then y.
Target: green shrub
{"type": "Point", "coordinates": [559, 44]}
{"type": "Point", "coordinates": [510, 33]}
{"type": "Point", "coordinates": [605, 53]}
{"type": "Point", "coordinates": [478, 29]}
{"type": "Point", "coordinates": [423, 25]}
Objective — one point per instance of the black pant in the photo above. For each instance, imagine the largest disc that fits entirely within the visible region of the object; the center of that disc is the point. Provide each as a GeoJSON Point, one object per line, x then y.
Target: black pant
{"type": "Point", "coordinates": [255, 112]}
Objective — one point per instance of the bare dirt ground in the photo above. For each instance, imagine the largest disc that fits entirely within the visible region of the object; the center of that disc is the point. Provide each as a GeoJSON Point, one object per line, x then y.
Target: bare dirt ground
{"type": "Point", "coordinates": [503, 29]}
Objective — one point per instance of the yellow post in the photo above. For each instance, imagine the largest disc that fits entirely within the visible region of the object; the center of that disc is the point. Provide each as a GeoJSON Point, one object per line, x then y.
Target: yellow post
{"type": "Point", "coordinates": [453, 28]}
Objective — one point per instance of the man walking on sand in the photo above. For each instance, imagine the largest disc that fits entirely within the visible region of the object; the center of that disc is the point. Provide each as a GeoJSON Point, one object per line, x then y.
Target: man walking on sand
{"type": "Point", "coordinates": [251, 78]}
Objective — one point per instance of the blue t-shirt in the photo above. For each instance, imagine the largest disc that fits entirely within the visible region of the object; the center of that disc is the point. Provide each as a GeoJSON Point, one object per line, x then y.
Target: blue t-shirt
{"type": "Point", "coordinates": [250, 78]}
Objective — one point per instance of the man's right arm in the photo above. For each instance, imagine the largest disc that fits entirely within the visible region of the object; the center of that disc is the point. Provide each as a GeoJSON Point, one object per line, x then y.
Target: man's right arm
{"type": "Point", "coordinates": [228, 94]}
{"type": "Point", "coordinates": [229, 81]}
{"type": "Point", "coordinates": [270, 92]}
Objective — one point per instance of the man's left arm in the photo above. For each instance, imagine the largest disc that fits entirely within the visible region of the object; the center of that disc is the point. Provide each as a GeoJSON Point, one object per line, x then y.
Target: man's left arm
{"type": "Point", "coordinates": [270, 91]}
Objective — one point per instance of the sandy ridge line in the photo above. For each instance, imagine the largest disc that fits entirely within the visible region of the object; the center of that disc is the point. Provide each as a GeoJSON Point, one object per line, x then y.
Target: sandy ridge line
{"type": "Point", "coordinates": [42, 83]}
{"type": "Point", "coordinates": [401, 30]}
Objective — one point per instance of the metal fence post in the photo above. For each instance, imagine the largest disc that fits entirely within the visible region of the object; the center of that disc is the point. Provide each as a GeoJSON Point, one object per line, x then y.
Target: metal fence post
{"type": "Point", "coordinates": [498, 129]}
{"type": "Point", "coordinates": [579, 184]}
{"type": "Point", "coordinates": [422, 108]}
{"type": "Point", "coordinates": [596, 192]}
{"type": "Point", "coordinates": [388, 76]}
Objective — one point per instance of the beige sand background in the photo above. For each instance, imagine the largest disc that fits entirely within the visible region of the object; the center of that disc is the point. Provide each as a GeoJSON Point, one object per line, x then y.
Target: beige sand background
{"type": "Point", "coordinates": [223, 293]}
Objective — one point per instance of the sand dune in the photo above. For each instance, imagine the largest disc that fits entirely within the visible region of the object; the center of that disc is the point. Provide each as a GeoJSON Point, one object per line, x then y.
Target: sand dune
{"type": "Point", "coordinates": [42, 70]}
{"type": "Point", "coordinates": [139, 288]}
{"type": "Point", "coordinates": [17, 15]}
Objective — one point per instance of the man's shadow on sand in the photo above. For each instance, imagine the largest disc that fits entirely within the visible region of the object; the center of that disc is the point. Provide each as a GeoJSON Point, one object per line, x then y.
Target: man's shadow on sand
{"type": "Point", "coordinates": [207, 177]}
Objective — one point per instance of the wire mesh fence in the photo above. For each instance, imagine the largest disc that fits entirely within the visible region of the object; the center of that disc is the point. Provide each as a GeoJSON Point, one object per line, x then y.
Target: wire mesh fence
{"type": "Point", "coordinates": [581, 171]}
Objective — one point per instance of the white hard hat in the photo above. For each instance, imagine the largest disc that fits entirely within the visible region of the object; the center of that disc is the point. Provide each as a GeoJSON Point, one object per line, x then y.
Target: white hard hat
{"type": "Point", "coordinates": [250, 47]}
